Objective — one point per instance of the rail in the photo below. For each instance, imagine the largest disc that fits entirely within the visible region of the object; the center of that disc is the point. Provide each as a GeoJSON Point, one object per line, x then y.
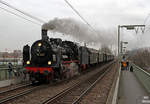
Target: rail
{"type": "Point", "coordinates": [78, 90]}
{"type": "Point", "coordinates": [143, 76]}
{"type": "Point", "coordinates": [22, 93]}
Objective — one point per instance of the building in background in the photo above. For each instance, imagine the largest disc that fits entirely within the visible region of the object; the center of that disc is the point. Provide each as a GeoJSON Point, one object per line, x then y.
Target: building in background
{"type": "Point", "coordinates": [14, 57]}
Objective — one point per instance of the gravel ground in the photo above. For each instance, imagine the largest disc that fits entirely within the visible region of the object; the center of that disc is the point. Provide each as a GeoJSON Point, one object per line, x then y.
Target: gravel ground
{"type": "Point", "coordinates": [38, 96]}
{"type": "Point", "coordinates": [99, 94]}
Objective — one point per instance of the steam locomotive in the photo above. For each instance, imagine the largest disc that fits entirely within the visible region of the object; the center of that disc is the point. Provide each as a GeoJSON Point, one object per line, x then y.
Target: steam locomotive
{"type": "Point", "coordinates": [52, 58]}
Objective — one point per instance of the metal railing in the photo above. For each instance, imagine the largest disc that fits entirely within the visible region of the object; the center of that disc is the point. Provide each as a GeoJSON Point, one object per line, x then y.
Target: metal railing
{"type": "Point", "coordinates": [4, 73]}
{"type": "Point", "coordinates": [143, 76]}
{"type": "Point", "coordinates": [6, 66]}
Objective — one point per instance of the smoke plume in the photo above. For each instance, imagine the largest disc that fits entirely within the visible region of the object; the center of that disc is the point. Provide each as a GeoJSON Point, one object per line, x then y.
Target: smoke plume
{"type": "Point", "coordinates": [80, 31]}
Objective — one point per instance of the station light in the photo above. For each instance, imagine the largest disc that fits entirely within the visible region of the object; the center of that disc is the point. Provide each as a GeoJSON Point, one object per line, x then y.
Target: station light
{"type": "Point", "coordinates": [130, 27]}
{"type": "Point", "coordinates": [125, 42]}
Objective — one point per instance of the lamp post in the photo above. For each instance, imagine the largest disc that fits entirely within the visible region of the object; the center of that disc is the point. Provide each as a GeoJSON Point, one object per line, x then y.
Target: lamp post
{"type": "Point", "coordinates": [122, 45]}
{"type": "Point", "coordinates": [128, 27]}
{"type": "Point", "coordinates": [118, 43]}
{"type": "Point", "coordinates": [124, 50]}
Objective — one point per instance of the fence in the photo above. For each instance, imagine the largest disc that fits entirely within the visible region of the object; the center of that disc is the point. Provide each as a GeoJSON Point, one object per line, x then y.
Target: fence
{"type": "Point", "coordinates": [4, 74]}
{"type": "Point", "coordinates": [143, 76]}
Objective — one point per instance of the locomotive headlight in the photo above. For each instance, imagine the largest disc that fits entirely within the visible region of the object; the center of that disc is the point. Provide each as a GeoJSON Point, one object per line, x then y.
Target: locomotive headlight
{"type": "Point", "coordinates": [28, 62]}
{"type": "Point", "coordinates": [39, 44]}
{"type": "Point", "coordinates": [49, 62]}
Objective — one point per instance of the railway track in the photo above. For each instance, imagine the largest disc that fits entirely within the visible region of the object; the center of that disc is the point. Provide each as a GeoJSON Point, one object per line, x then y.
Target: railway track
{"type": "Point", "coordinates": [12, 94]}
{"type": "Point", "coordinates": [14, 88]}
{"type": "Point", "coordinates": [73, 94]}
{"type": "Point", "coordinates": [16, 93]}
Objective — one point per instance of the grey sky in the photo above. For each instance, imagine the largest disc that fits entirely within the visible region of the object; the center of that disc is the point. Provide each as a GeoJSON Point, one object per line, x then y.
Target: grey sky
{"type": "Point", "coordinates": [101, 14]}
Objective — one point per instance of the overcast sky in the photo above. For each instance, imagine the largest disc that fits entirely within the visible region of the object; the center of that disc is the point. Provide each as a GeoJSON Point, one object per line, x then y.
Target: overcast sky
{"type": "Point", "coordinates": [101, 14]}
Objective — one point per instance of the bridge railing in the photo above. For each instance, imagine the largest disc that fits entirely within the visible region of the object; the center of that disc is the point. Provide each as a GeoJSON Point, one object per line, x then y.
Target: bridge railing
{"type": "Point", "coordinates": [143, 76]}
{"type": "Point", "coordinates": [4, 73]}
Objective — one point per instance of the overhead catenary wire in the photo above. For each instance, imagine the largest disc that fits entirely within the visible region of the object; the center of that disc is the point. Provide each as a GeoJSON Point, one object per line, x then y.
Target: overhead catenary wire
{"type": "Point", "coordinates": [146, 25]}
{"type": "Point", "coordinates": [146, 19]}
{"type": "Point", "coordinates": [40, 20]}
{"type": "Point", "coordinates": [80, 16]}
{"type": "Point", "coordinates": [27, 14]}
{"type": "Point", "coordinates": [19, 15]}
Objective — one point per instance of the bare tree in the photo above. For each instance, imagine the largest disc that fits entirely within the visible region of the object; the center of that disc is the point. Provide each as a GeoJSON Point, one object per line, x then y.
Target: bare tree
{"type": "Point", "coordinates": [141, 57]}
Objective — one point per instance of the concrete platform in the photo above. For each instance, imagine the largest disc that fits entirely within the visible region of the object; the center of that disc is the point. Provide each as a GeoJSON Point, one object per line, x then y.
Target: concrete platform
{"type": "Point", "coordinates": [131, 91]}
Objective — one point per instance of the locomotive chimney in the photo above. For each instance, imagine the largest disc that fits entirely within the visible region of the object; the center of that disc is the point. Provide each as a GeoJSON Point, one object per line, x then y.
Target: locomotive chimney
{"type": "Point", "coordinates": [44, 34]}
